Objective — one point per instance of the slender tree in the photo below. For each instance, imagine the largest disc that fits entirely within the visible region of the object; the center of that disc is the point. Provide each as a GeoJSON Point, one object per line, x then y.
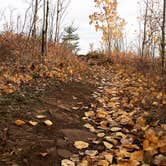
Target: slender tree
{"type": "Point", "coordinates": [35, 20]}
{"type": "Point", "coordinates": [163, 34]}
{"type": "Point", "coordinates": [145, 28]}
{"type": "Point", "coordinates": [45, 29]}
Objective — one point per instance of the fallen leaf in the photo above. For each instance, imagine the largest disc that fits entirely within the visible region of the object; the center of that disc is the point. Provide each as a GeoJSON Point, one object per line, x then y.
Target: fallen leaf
{"type": "Point", "coordinates": [131, 146]}
{"type": "Point", "coordinates": [90, 127]}
{"type": "Point", "coordinates": [137, 155]}
{"type": "Point", "coordinates": [48, 122]}
{"type": "Point", "coordinates": [33, 123]}
{"type": "Point", "coordinates": [40, 116]}
{"type": "Point", "coordinates": [101, 135]}
{"type": "Point", "coordinates": [67, 162]}
{"type": "Point", "coordinates": [19, 122]}
{"type": "Point", "coordinates": [107, 145]}
{"type": "Point", "coordinates": [112, 140]}
{"type": "Point", "coordinates": [91, 152]}
{"type": "Point", "coordinates": [44, 154]}
{"type": "Point", "coordinates": [81, 144]}
{"type": "Point", "coordinates": [108, 157]}
{"type": "Point", "coordinates": [103, 163]}
{"type": "Point", "coordinates": [101, 113]}
{"type": "Point", "coordinates": [89, 113]}
{"type": "Point", "coordinates": [115, 129]}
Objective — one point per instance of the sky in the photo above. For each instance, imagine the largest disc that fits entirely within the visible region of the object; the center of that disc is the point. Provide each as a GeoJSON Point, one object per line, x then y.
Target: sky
{"type": "Point", "coordinates": [78, 13]}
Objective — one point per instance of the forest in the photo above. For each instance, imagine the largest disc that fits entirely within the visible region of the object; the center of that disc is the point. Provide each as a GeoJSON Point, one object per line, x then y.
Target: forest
{"type": "Point", "coordinates": [60, 106]}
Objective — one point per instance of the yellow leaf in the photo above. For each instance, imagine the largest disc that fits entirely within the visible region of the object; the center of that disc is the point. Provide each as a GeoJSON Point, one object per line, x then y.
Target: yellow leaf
{"type": "Point", "coordinates": [19, 122]}
{"type": "Point", "coordinates": [81, 144]}
{"type": "Point", "coordinates": [48, 122]}
{"type": "Point", "coordinates": [33, 123]}
{"type": "Point", "coordinates": [107, 145]}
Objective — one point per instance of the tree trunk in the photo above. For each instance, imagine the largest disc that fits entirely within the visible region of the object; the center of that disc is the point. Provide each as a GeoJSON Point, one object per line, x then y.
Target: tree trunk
{"type": "Point", "coordinates": [144, 32]}
{"type": "Point", "coordinates": [163, 35]}
{"type": "Point", "coordinates": [57, 21]}
{"type": "Point", "coordinates": [43, 49]}
{"type": "Point", "coordinates": [35, 20]}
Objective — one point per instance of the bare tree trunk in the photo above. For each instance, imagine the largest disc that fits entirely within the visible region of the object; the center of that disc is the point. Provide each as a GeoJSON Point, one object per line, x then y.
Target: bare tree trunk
{"type": "Point", "coordinates": [35, 20]}
{"type": "Point", "coordinates": [144, 32]}
{"type": "Point", "coordinates": [163, 34]}
{"type": "Point", "coordinates": [57, 21]}
{"type": "Point", "coordinates": [44, 30]}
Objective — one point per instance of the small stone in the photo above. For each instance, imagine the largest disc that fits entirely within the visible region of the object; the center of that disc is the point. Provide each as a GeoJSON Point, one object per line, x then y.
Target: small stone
{"type": "Point", "coordinates": [91, 153]}
{"type": "Point", "coordinates": [66, 162]}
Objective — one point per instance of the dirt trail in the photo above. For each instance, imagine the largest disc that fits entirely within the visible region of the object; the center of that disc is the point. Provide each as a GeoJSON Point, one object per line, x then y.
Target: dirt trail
{"type": "Point", "coordinates": [118, 117]}
{"type": "Point", "coordinates": [40, 145]}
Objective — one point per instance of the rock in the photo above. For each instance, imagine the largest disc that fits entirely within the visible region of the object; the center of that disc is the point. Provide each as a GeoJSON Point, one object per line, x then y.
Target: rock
{"type": "Point", "coordinates": [81, 144]}
{"type": "Point", "coordinates": [64, 153]}
{"type": "Point", "coordinates": [66, 162]}
{"type": "Point", "coordinates": [91, 153]}
{"type": "Point", "coordinates": [107, 145]}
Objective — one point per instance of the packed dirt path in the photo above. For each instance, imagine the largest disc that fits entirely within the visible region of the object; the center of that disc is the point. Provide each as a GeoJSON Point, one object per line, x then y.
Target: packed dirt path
{"type": "Point", "coordinates": [102, 123]}
{"type": "Point", "coordinates": [63, 104]}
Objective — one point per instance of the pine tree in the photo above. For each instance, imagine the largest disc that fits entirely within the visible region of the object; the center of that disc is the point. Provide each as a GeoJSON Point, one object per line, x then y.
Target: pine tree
{"type": "Point", "coordinates": [70, 38]}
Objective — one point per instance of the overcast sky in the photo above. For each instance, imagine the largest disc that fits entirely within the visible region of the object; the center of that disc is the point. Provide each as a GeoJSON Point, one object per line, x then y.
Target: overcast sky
{"type": "Point", "coordinates": [78, 12]}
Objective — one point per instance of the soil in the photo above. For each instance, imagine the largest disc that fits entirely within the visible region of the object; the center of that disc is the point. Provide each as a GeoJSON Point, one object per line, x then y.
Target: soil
{"type": "Point", "coordinates": [62, 103]}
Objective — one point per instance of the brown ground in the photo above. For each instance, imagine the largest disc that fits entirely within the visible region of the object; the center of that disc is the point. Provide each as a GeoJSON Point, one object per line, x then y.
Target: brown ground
{"type": "Point", "coordinates": [62, 103]}
{"type": "Point", "coordinates": [26, 144]}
